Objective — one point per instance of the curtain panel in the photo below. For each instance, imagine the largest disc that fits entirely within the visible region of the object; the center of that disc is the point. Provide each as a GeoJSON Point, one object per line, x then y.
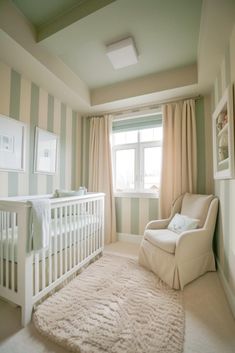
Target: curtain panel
{"type": "Point", "coordinates": [179, 159]}
{"type": "Point", "coordinates": [100, 170]}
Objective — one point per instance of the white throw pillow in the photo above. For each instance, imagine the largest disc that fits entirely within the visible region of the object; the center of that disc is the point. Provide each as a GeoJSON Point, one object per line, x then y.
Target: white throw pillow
{"type": "Point", "coordinates": [181, 223]}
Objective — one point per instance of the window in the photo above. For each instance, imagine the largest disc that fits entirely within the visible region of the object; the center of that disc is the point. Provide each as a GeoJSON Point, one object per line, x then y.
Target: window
{"type": "Point", "coordinates": [137, 154]}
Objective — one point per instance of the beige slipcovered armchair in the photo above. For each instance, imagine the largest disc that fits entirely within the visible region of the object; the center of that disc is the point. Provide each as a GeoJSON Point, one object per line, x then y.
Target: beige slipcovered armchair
{"type": "Point", "coordinates": [179, 258]}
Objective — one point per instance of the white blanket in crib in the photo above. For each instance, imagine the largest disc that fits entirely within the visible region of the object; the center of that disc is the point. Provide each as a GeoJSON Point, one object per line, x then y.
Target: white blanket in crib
{"type": "Point", "coordinates": [39, 224]}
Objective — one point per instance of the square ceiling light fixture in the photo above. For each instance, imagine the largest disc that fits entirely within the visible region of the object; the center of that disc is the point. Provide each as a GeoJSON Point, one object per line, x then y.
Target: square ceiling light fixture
{"type": "Point", "coordinates": [122, 53]}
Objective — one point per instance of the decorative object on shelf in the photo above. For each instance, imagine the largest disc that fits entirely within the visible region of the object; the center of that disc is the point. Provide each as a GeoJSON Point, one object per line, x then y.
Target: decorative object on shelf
{"type": "Point", "coordinates": [223, 146]}
{"type": "Point", "coordinates": [12, 144]}
{"type": "Point", "coordinates": [223, 137]}
{"type": "Point", "coordinates": [45, 161]}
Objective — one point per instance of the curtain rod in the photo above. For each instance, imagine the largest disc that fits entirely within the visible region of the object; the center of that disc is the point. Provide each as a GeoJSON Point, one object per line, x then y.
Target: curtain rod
{"type": "Point", "coordinates": [136, 109]}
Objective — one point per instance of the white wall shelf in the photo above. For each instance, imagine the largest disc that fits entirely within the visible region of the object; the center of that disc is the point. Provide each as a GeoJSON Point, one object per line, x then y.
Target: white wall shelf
{"type": "Point", "coordinates": [223, 137]}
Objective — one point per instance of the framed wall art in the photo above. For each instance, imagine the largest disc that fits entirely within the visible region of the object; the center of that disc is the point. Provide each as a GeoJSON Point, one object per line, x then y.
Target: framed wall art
{"type": "Point", "coordinates": [46, 145]}
{"type": "Point", "coordinates": [12, 144]}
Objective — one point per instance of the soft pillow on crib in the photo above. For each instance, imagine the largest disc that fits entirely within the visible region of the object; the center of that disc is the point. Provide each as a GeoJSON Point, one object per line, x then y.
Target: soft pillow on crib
{"type": "Point", "coordinates": [180, 223]}
{"type": "Point", "coordinates": [68, 193]}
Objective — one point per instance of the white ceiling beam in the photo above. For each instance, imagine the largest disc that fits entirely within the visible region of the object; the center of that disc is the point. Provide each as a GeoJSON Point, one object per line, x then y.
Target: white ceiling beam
{"type": "Point", "coordinates": [69, 17]}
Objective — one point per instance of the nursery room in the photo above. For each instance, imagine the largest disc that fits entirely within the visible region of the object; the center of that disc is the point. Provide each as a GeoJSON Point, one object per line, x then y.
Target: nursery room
{"type": "Point", "coordinates": [117, 176]}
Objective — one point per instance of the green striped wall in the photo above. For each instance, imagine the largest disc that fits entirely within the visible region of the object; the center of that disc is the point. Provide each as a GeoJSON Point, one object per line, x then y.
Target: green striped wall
{"type": "Point", "coordinates": [201, 161]}
{"type": "Point", "coordinates": [225, 189]}
{"type": "Point", "coordinates": [132, 214]}
{"type": "Point", "coordinates": [25, 101]}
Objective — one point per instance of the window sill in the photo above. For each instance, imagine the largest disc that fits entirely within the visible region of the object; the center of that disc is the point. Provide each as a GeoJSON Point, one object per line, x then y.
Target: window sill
{"type": "Point", "coordinates": [139, 195]}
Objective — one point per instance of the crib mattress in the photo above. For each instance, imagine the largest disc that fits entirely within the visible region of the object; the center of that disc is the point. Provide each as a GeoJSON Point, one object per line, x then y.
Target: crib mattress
{"type": "Point", "coordinates": [60, 235]}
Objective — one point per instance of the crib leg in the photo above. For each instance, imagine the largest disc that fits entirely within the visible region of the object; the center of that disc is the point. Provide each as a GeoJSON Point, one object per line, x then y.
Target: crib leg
{"type": "Point", "coordinates": [26, 314]}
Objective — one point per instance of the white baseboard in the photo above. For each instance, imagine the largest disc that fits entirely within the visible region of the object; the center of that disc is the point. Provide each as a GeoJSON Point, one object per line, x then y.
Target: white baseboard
{"type": "Point", "coordinates": [130, 238]}
{"type": "Point", "coordinates": [229, 294]}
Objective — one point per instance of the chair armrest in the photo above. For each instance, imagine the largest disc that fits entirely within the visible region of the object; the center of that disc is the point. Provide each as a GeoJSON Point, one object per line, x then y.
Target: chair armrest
{"type": "Point", "coordinates": [193, 243]}
{"type": "Point", "coordinates": [158, 224]}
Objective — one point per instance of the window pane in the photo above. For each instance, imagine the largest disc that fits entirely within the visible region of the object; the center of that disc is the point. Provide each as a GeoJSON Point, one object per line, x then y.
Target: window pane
{"type": "Point", "coordinates": [125, 170]}
{"type": "Point", "coordinates": [125, 137]}
{"type": "Point", "coordinates": [152, 168]}
{"type": "Point", "coordinates": [153, 134]}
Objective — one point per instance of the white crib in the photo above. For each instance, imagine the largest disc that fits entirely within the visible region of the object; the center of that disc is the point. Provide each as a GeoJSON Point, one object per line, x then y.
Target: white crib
{"type": "Point", "coordinates": [76, 236]}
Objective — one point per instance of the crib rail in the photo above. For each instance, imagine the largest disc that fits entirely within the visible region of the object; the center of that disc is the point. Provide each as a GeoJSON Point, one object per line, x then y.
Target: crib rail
{"type": "Point", "coordinates": [76, 236]}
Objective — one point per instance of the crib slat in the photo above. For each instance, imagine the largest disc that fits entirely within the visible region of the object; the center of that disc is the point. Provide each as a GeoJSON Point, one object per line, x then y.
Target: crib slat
{"type": "Point", "coordinates": [65, 245]}
{"type": "Point", "coordinates": [13, 219]}
{"type": "Point", "coordinates": [55, 243]}
{"type": "Point", "coordinates": [36, 273]}
{"type": "Point", "coordinates": [96, 228]}
{"type": "Point", "coordinates": [85, 245]}
{"type": "Point", "coordinates": [96, 225]}
{"type": "Point", "coordinates": [99, 225]}
{"type": "Point", "coordinates": [7, 247]}
{"type": "Point", "coordinates": [79, 233]}
{"type": "Point", "coordinates": [43, 266]}
{"type": "Point", "coordinates": [89, 229]}
{"type": "Point", "coordinates": [49, 254]}
{"type": "Point", "coordinates": [74, 234]}
{"type": "Point", "coordinates": [93, 227]}
{"type": "Point", "coordinates": [1, 248]}
{"type": "Point", "coordinates": [70, 237]}
{"type": "Point", "coordinates": [61, 239]}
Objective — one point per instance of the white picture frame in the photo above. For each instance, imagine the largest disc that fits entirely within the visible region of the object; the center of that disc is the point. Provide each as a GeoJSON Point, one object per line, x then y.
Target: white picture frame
{"type": "Point", "coordinates": [12, 144]}
{"type": "Point", "coordinates": [223, 136]}
{"type": "Point", "coordinates": [46, 147]}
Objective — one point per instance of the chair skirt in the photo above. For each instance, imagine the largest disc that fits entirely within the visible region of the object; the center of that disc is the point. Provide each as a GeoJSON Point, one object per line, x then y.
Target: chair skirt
{"type": "Point", "coordinates": [175, 273]}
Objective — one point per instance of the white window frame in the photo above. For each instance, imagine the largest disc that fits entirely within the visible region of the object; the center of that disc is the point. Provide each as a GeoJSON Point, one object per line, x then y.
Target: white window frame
{"type": "Point", "coordinates": [139, 147]}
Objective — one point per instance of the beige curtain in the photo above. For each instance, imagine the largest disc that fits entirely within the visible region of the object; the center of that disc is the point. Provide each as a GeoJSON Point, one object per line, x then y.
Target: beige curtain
{"type": "Point", "coordinates": [179, 159]}
{"type": "Point", "coordinates": [100, 170]}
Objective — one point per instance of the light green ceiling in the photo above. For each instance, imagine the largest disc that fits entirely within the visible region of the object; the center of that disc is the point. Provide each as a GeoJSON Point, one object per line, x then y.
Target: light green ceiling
{"type": "Point", "coordinates": [165, 31]}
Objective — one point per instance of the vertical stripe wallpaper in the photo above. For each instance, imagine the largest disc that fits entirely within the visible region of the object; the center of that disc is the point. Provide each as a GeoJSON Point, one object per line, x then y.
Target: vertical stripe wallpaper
{"type": "Point", "coordinates": [225, 189]}
{"type": "Point", "coordinates": [50, 124]}
{"type": "Point", "coordinates": [14, 110]}
{"type": "Point", "coordinates": [23, 100]}
{"type": "Point", "coordinates": [201, 163]}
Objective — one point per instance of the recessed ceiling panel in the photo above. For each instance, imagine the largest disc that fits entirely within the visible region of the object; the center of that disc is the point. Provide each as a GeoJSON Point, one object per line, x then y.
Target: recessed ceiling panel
{"type": "Point", "coordinates": [165, 33]}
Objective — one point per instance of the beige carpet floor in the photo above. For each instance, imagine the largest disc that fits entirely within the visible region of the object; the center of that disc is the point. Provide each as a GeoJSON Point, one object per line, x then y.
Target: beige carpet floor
{"type": "Point", "coordinates": [114, 306]}
{"type": "Point", "coordinates": [209, 325]}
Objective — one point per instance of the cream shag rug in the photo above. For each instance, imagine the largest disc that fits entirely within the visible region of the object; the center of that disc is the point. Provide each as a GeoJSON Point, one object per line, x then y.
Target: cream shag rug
{"type": "Point", "coordinates": [114, 306]}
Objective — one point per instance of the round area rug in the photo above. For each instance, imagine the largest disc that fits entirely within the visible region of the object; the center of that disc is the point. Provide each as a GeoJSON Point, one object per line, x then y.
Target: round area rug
{"type": "Point", "coordinates": [114, 306]}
